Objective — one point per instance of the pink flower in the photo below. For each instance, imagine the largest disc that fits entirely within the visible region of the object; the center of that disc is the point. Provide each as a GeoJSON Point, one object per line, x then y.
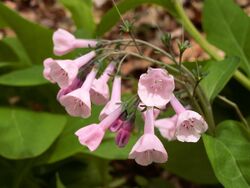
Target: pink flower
{"type": "Point", "coordinates": [92, 135]}
{"type": "Point", "coordinates": [190, 125]}
{"type": "Point", "coordinates": [155, 87]}
{"type": "Point", "coordinates": [115, 101]}
{"type": "Point", "coordinates": [65, 42]}
{"type": "Point", "coordinates": [64, 71]}
{"type": "Point", "coordinates": [46, 71]}
{"type": "Point", "coordinates": [77, 102]}
{"type": "Point", "coordinates": [167, 127]}
{"type": "Point", "coordinates": [148, 148]}
{"type": "Point", "coordinates": [99, 92]}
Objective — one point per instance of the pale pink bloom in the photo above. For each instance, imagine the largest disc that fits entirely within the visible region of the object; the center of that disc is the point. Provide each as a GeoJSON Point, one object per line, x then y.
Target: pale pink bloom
{"type": "Point", "coordinates": [190, 125]}
{"type": "Point", "coordinates": [167, 127]}
{"type": "Point", "coordinates": [64, 71]}
{"type": "Point", "coordinates": [65, 42]}
{"type": "Point", "coordinates": [46, 71]}
{"type": "Point", "coordinates": [92, 135]}
{"type": "Point", "coordinates": [77, 102]}
{"type": "Point", "coordinates": [99, 91]}
{"type": "Point", "coordinates": [115, 100]}
{"type": "Point", "coordinates": [155, 87]}
{"type": "Point", "coordinates": [148, 148]}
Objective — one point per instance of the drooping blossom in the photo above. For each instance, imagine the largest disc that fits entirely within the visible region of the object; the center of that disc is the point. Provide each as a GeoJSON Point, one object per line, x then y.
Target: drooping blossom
{"type": "Point", "coordinates": [123, 134]}
{"type": "Point", "coordinates": [167, 127]}
{"type": "Point", "coordinates": [115, 100]}
{"type": "Point", "coordinates": [77, 102]}
{"type": "Point", "coordinates": [64, 71]}
{"type": "Point", "coordinates": [148, 148]}
{"type": "Point", "coordinates": [155, 87]}
{"type": "Point", "coordinates": [65, 42]}
{"type": "Point", "coordinates": [46, 71]}
{"type": "Point", "coordinates": [92, 135]}
{"type": "Point", "coordinates": [190, 125]}
{"type": "Point", "coordinates": [99, 91]}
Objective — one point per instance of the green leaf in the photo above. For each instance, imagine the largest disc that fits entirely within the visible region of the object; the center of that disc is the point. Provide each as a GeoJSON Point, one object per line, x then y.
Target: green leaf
{"type": "Point", "coordinates": [7, 53]}
{"type": "Point", "coordinates": [219, 73]}
{"type": "Point", "coordinates": [19, 50]}
{"type": "Point", "coordinates": [36, 39]}
{"type": "Point", "coordinates": [228, 27]}
{"type": "Point", "coordinates": [229, 154]}
{"type": "Point", "coordinates": [81, 11]}
{"type": "Point", "coordinates": [189, 161]}
{"type": "Point", "coordinates": [26, 134]}
{"type": "Point", "coordinates": [112, 17]}
{"type": "Point", "coordinates": [31, 76]}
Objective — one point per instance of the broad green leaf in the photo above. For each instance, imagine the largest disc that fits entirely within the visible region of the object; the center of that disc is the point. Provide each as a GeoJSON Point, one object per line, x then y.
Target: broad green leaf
{"type": "Point", "coordinates": [19, 50]}
{"type": "Point", "coordinates": [26, 134]}
{"type": "Point", "coordinates": [81, 11]}
{"type": "Point", "coordinates": [219, 73]}
{"type": "Point", "coordinates": [112, 17]}
{"type": "Point", "coordinates": [31, 76]}
{"type": "Point", "coordinates": [189, 161]}
{"type": "Point", "coordinates": [228, 27]}
{"type": "Point", "coordinates": [229, 154]}
{"type": "Point", "coordinates": [35, 39]}
{"type": "Point", "coordinates": [7, 53]}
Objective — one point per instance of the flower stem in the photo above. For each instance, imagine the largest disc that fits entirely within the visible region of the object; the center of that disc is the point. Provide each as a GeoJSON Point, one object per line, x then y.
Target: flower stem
{"type": "Point", "coordinates": [211, 50]}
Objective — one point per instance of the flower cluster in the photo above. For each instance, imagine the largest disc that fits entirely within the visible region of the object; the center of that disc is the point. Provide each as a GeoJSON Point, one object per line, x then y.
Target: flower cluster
{"type": "Point", "coordinates": [80, 86]}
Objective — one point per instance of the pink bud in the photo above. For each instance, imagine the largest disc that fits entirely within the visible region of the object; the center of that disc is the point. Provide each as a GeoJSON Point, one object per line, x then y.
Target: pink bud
{"type": "Point", "coordinates": [65, 42]}
{"type": "Point", "coordinates": [123, 133]}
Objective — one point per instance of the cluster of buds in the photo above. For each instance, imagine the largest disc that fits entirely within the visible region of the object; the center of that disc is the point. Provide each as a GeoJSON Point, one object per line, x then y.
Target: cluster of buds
{"type": "Point", "coordinates": [80, 87]}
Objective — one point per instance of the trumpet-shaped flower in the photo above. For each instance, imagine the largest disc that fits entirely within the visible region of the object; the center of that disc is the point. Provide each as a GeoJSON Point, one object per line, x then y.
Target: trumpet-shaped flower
{"type": "Point", "coordinates": [92, 135]}
{"type": "Point", "coordinates": [155, 87]}
{"type": "Point", "coordinates": [77, 102]}
{"type": "Point", "coordinates": [115, 100]}
{"type": "Point", "coordinates": [65, 42]}
{"type": "Point", "coordinates": [148, 148]}
{"type": "Point", "coordinates": [167, 127]}
{"type": "Point", "coordinates": [190, 125]}
{"type": "Point", "coordinates": [65, 71]}
{"type": "Point", "coordinates": [99, 92]}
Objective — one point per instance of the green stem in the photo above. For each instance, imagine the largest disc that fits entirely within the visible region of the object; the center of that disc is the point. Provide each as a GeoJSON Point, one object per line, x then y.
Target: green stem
{"type": "Point", "coordinates": [211, 50]}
